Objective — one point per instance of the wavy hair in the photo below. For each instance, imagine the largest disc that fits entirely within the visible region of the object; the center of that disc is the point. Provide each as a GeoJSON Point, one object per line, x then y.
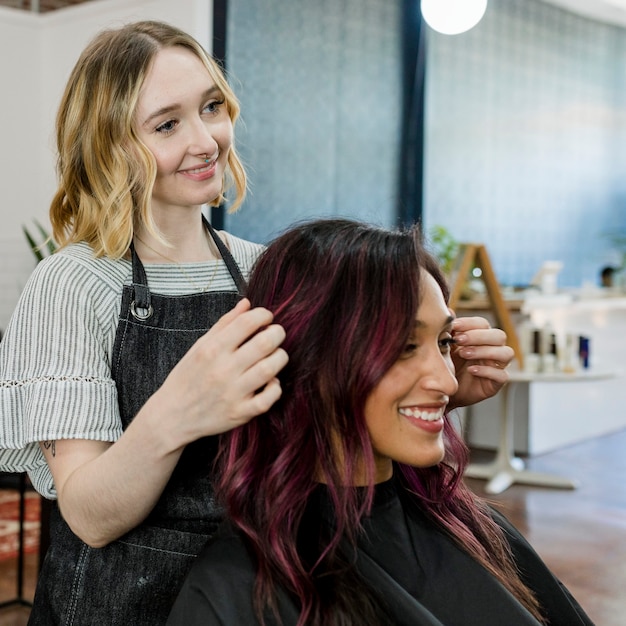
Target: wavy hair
{"type": "Point", "coordinates": [106, 174]}
{"type": "Point", "coordinates": [346, 294]}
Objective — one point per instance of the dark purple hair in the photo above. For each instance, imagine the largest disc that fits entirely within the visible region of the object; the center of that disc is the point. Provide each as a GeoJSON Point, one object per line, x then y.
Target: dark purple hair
{"type": "Point", "coordinates": [346, 294]}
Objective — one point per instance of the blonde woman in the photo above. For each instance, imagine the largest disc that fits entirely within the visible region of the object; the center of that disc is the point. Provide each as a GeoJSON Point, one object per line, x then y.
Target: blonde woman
{"type": "Point", "coordinates": [116, 368]}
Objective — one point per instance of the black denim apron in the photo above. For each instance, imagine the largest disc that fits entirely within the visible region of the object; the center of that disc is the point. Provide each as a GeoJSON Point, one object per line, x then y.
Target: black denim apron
{"type": "Point", "coordinates": [134, 581]}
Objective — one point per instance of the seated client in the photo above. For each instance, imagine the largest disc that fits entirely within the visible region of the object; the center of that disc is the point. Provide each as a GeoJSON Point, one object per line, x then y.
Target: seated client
{"type": "Point", "coordinates": [345, 501]}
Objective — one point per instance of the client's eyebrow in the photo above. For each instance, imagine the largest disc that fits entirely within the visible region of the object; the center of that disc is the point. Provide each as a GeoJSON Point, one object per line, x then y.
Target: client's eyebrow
{"type": "Point", "coordinates": [447, 322]}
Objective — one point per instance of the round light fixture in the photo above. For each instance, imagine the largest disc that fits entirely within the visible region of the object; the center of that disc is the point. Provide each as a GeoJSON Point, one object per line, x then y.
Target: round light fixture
{"type": "Point", "coordinates": [452, 17]}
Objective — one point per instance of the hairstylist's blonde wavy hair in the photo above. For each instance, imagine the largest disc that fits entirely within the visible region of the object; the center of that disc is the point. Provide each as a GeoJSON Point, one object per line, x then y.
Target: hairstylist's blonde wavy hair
{"type": "Point", "coordinates": [106, 174]}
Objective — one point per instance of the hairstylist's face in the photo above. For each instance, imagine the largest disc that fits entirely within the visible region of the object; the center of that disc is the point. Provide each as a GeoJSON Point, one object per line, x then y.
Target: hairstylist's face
{"type": "Point", "coordinates": [404, 412]}
{"type": "Point", "coordinates": [181, 117]}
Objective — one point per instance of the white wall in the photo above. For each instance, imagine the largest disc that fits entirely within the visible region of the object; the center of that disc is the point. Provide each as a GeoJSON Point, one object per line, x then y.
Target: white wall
{"type": "Point", "coordinates": [37, 53]}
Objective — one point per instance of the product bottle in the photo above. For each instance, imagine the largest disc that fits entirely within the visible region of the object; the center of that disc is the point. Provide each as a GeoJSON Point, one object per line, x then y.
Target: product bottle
{"type": "Point", "coordinates": [548, 358]}
{"type": "Point", "coordinates": [570, 357]}
{"type": "Point", "coordinates": [583, 351]}
{"type": "Point", "coordinates": [532, 360]}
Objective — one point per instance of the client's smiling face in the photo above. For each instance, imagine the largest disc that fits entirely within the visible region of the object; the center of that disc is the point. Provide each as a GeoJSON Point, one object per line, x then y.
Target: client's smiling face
{"type": "Point", "coordinates": [404, 412]}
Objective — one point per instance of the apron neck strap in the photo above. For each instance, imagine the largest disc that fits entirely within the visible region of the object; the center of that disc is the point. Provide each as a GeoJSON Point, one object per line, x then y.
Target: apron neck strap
{"type": "Point", "coordinates": [231, 264]}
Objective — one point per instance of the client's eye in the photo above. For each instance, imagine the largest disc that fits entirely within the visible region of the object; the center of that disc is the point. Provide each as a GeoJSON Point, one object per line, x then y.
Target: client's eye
{"type": "Point", "coordinates": [446, 343]}
{"type": "Point", "coordinates": [409, 349]}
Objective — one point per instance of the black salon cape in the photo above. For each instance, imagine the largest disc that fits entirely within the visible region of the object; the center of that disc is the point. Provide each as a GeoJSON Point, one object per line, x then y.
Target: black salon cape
{"type": "Point", "coordinates": [423, 577]}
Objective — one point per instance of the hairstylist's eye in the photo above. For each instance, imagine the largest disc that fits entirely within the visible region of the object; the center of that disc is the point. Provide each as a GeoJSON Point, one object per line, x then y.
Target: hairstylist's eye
{"type": "Point", "coordinates": [214, 106]}
{"type": "Point", "coordinates": [166, 127]}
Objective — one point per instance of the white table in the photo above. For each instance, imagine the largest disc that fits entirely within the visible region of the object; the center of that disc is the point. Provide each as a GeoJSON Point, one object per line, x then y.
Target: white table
{"type": "Point", "coordinates": [508, 469]}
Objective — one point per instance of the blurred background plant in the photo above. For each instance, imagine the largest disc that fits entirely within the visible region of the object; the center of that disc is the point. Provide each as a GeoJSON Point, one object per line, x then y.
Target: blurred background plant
{"type": "Point", "coordinates": [46, 245]}
{"type": "Point", "coordinates": [444, 246]}
{"type": "Point", "coordinates": [614, 273]}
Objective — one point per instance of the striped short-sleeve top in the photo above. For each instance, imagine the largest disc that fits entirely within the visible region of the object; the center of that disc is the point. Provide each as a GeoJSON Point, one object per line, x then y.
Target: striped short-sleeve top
{"type": "Point", "coordinates": [55, 357]}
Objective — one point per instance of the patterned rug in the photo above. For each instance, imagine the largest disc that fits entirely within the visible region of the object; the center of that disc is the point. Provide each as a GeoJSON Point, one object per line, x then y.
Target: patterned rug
{"type": "Point", "coordinates": [9, 524]}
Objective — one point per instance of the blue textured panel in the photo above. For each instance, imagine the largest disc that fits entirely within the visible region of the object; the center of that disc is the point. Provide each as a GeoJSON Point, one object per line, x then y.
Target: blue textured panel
{"type": "Point", "coordinates": [319, 84]}
{"type": "Point", "coordinates": [525, 126]}
{"type": "Point", "coordinates": [525, 139]}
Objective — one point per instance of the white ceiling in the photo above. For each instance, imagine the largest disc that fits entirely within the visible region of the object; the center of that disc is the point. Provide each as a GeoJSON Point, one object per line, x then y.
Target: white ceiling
{"type": "Point", "coordinates": [611, 11]}
{"type": "Point", "coordinates": [40, 6]}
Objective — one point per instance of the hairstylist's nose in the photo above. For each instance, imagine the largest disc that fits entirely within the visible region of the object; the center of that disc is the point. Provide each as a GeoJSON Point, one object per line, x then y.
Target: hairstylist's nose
{"type": "Point", "coordinates": [203, 142]}
{"type": "Point", "coordinates": [209, 149]}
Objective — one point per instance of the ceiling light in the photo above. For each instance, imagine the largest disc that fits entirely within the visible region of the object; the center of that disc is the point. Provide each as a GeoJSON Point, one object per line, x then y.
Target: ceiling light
{"type": "Point", "coordinates": [452, 17]}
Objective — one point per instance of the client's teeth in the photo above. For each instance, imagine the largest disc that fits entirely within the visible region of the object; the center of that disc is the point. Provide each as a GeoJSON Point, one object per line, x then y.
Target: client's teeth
{"type": "Point", "coordinates": [428, 416]}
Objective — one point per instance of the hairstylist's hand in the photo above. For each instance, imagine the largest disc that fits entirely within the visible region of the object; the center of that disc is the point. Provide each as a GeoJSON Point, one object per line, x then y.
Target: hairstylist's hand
{"type": "Point", "coordinates": [227, 377]}
{"type": "Point", "coordinates": [480, 357]}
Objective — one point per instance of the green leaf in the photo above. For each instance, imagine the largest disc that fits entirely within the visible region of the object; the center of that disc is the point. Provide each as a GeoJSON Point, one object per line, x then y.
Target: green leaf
{"type": "Point", "coordinates": [47, 243]}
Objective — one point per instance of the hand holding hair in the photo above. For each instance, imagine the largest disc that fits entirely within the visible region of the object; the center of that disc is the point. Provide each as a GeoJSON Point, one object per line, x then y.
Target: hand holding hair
{"type": "Point", "coordinates": [227, 377]}
{"type": "Point", "coordinates": [480, 357]}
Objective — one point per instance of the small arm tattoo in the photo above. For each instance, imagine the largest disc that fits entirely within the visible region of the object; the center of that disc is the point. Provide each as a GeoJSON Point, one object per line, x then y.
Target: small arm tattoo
{"type": "Point", "coordinates": [52, 446]}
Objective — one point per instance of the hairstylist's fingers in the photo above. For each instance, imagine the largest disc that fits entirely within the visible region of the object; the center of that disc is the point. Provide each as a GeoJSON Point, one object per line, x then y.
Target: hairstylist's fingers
{"type": "Point", "coordinates": [252, 394]}
{"type": "Point", "coordinates": [260, 344]}
{"type": "Point", "coordinates": [241, 322]}
{"type": "Point", "coordinates": [479, 337]}
{"type": "Point", "coordinates": [486, 354]}
{"type": "Point", "coordinates": [252, 361]}
{"type": "Point", "coordinates": [461, 324]}
{"type": "Point", "coordinates": [490, 370]}
{"type": "Point", "coordinates": [262, 401]}
{"type": "Point", "coordinates": [502, 353]}
{"type": "Point", "coordinates": [231, 331]}
{"type": "Point", "coordinates": [262, 371]}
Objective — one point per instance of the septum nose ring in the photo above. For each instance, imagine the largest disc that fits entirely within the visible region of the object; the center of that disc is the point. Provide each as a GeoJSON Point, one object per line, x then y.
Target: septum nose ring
{"type": "Point", "coordinates": [206, 158]}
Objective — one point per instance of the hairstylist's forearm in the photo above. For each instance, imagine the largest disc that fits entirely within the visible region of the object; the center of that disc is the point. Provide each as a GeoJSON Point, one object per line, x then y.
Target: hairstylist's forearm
{"type": "Point", "coordinates": [103, 489]}
{"type": "Point", "coordinates": [225, 379]}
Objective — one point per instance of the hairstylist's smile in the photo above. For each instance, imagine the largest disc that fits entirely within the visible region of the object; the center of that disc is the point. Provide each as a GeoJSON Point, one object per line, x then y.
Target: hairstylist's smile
{"type": "Point", "coordinates": [201, 173]}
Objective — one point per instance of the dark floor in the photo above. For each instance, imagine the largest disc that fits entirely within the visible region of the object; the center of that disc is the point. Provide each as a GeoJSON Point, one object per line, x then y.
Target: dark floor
{"type": "Point", "coordinates": [581, 534]}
